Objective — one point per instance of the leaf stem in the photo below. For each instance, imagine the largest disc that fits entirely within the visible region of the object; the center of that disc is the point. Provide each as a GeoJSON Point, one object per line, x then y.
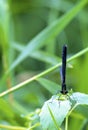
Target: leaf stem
{"type": "Point", "coordinates": [66, 123]}
{"type": "Point", "coordinates": [12, 127]}
{"type": "Point", "coordinates": [42, 74]}
{"type": "Point", "coordinates": [34, 126]}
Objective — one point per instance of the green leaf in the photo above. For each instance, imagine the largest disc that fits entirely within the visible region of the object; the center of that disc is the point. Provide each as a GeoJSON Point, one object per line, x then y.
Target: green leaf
{"type": "Point", "coordinates": [48, 33]}
{"type": "Point", "coordinates": [81, 104]}
{"type": "Point", "coordinates": [46, 57]}
{"type": "Point", "coordinates": [53, 118]}
{"type": "Point", "coordinates": [39, 55]}
{"type": "Point", "coordinates": [49, 85]}
{"type": "Point", "coordinates": [3, 13]}
{"type": "Point", "coordinates": [80, 98]}
{"type": "Point", "coordinates": [10, 113]}
{"type": "Point", "coordinates": [5, 109]}
{"type": "Point", "coordinates": [6, 112]}
{"type": "Point", "coordinates": [53, 113]}
{"type": "Point", "coordinates": [81, 111]}
{"type": "Point", "coordinates": [4, 19]}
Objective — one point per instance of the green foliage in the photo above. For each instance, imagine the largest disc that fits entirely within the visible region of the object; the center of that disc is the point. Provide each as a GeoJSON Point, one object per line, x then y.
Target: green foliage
{"type": "Point", "coordinates": [32, 34]}
{"type": "Point", "coordinates": [48, 34]}
{"type": "Point", "coordinates": [49, 85]}
{"type": "Point", "coordinates": [55, 109]}
{"type": "Point", "coordinates": [53, 113]}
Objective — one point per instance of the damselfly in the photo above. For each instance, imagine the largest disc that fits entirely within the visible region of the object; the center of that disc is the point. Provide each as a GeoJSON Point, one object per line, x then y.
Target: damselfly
{"type": "Point", "coordinates": [63, 70]}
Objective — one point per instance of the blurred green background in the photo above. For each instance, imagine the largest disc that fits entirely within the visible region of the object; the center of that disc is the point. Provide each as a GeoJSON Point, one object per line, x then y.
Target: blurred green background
{"type": "Point", "coordinates": [23, 23]}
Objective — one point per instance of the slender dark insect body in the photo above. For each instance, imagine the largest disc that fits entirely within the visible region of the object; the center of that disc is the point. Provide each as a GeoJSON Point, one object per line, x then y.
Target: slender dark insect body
{"type": "Point", "coordinates": [63, 70]}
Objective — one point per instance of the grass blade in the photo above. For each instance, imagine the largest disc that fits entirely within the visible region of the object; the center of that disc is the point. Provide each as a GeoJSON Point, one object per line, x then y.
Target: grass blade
{"type": "Point", "coordinates": [48, 33]}
{"type": "Point", "coordinates": [49, 85]}
{"type": "Point", "coordinates": [47, 57]}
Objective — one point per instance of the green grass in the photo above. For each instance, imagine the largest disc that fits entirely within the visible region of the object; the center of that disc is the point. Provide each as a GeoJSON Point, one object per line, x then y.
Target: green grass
{"type": "Point", "coordinates": [32, 34]}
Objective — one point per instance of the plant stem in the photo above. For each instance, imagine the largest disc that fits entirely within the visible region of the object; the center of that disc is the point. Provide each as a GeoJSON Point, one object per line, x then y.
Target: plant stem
{"type": "Point", "coordinates": [12, 127]}
{"type": "Point", "coordinates": [5, 43]}
{"type": "Point", "coordinates": [66, 123]}
{"type": "Point", "coordinates": [41, 74]}
{"type": "Point", "coordinates": [34, 126]}
{"type": "Point", "coordinates": [29, 80]}
{"type": "Point", "coordinates": [72, 109]}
